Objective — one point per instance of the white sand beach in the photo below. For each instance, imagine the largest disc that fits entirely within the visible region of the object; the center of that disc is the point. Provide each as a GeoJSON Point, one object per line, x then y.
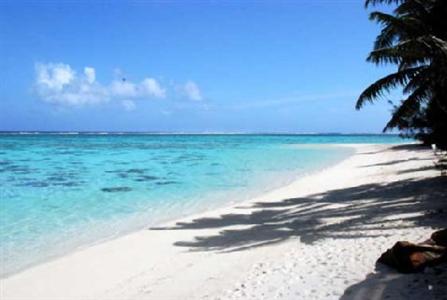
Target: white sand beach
{"type": "Point", "coordinates": [317, 238]}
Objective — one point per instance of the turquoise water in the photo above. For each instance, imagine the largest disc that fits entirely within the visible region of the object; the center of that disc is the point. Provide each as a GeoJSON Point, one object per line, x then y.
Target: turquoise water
{"type": "Point", "coordinates": [64, 191]}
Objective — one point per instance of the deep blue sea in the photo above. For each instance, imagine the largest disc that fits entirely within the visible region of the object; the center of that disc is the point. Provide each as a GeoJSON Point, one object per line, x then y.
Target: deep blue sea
{"type": "Point", "coordinates": [59, 192]}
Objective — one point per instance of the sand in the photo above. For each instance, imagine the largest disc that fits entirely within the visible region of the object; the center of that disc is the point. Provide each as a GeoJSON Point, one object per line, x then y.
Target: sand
{"type": "Point", "coordinates": [317, 238]}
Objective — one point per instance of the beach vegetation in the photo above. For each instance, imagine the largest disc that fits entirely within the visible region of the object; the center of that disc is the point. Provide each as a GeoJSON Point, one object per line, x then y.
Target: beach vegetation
{"type": "Point", "coordinates": [413, 38]}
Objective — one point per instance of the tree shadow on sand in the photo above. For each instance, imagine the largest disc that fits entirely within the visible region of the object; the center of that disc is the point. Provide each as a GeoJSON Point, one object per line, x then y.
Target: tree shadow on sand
{"type": "Point", "coordinates": [401, 147]}
{"type": "Point", "coordinates": [388, 284]}
{"type": "Point", "coordinates": [361, 211]}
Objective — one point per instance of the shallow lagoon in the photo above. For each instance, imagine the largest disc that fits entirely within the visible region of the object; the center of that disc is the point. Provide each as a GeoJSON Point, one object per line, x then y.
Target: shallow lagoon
{"type": "Point", "coordinates": [64, 191]}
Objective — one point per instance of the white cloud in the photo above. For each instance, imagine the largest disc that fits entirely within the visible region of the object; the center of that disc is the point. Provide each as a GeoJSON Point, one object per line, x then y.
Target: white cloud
{"type": "Point", "coordinates": [149, 87]}
{"type": "Point", "coordinates": [54, 76]}
{"type": "Point", "coordinates": [152, 88]}
{"type": "Point", "coordinates": [123, 88]}
{"type": "Point", "coordinates": [59, 84]}
{"type": "Point", "coordinates": [192, 91]}
{"type": "Point", "coordinates": [76, 98]}
{"type": "Point", "coordinates": [128, 105]}
{"type": "Point", "coordinates": [90, 74]}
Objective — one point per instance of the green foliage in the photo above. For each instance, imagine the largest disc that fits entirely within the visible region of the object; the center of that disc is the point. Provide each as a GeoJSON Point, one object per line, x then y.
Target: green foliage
{"type": "Point", "coordinates": [414, 38]}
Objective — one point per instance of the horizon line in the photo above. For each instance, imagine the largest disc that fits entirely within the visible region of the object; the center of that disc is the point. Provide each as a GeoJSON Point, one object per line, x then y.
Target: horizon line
{"type": "Point", "coordinates": [99, 132]}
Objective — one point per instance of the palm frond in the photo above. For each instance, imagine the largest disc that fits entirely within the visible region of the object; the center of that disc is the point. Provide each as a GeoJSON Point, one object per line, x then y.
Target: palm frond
{"type": "Point", "coordinates": [414, 7]}
{"type": "Point", "coordinates": [408, 107]}
{"type": "Point", "coordinates": [411, 51]}
{"type": "Point", "coordinates": [375, 2]}
{"type": "Point", "coordinates": [403, 23]}
{"type": "Point", "coordinates": [384, 85]}
{"type": "Point", "coordinates": [394, 28]}
{"type": "Point", "coordinates": [421, 78]}
{"type": "Point", "coordinates": [414, 38]}
{"type": "Point", "coordinates": [386, 38]}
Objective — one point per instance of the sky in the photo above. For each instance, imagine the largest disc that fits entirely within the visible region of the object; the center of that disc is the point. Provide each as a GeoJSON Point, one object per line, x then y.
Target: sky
{"type": "Point", "coordinates": [187, 66]}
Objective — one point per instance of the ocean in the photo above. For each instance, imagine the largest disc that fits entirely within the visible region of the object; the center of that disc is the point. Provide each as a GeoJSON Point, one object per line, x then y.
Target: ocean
{"type": "Point", "coordinates": [60, 192]}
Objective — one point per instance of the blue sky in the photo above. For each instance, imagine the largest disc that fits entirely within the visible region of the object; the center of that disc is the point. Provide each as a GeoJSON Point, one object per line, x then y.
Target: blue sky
{"type": "Point", "coordinates": [201, 66]}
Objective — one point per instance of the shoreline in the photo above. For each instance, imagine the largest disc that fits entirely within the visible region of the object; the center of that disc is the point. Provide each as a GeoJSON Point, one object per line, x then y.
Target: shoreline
{"type": "Point", "coordinates": [223, 247]}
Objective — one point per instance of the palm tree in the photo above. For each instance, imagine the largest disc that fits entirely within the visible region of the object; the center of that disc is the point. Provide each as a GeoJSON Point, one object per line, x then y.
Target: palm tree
{"type": "Point", "coordinates": [414, 38]}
